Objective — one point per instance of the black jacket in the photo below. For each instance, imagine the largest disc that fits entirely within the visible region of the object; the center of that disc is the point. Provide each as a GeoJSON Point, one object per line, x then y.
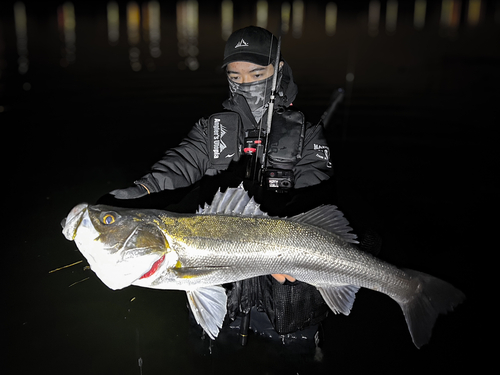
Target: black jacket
{"type": "Point", "coordinates": [187, 163]}
{"type": "Point", "coordinates": [289, 307]}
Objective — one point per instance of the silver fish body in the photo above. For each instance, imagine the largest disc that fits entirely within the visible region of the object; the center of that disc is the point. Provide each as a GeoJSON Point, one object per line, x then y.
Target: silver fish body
{"type": "Point", "coordinates": [233, 240]}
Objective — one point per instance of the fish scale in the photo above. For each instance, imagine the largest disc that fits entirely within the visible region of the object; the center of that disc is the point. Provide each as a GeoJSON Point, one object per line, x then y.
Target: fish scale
{"type": "Point", "coordinates": [233, 240]}
{"type": "Point", "coordinates": [249, 238]}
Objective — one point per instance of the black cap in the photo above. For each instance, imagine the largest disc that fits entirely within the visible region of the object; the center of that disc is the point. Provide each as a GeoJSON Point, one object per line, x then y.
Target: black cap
{"type": "Point", "coordinates": [252, 44]}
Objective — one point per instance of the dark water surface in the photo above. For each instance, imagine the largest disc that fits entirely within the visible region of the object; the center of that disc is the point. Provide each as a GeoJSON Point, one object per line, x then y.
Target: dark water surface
{"type": "Point", "coordinates": [413, 146]}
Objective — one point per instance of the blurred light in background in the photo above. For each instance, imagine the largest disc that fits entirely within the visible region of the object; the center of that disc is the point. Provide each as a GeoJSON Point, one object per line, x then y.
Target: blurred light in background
{"type": "Point", "coordinates": [226, 18]}
{"type": "Point", "coordinates": [22, 37]}
{"type": "Point", "coordinates": [391, 16]}
{"type": "Point", "coordinates": [262, 10]}
{"type": "Point", "coordinates": [474, 12]}
{"type": "Point", "coordinates": [133, 23]}
{"type": "Point", "coordinates": [298, 18]}
{"type": "Point", "coordinates": [187, 33]}
{"type": "Point", "coordinates": [134, 36]}
{"type": "Point", "coordinates": [154, 22]}
{"type": "Point", "coordinates": [373, 17]}
{"type": "Point", "coordinates": [113, 16]}
{"type": "Point", "coordinates": [419, 14]}
{"type": "Point", "coordinates": [3, 63]}
{"type": "Point", "coordinates": [331, 19]}
{"type": "Point", "coordinates": [285, 17]}
{"type": "Point", "coordinates": [67, 24]}
{"type": "Point", "coordinates": [450, 16]}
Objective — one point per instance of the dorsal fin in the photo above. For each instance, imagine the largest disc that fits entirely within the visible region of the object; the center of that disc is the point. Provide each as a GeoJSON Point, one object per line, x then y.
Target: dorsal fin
{"type": "Point", "coordinates": [234, 201]}
{"type": "Point", "coordinates": [328, 218]}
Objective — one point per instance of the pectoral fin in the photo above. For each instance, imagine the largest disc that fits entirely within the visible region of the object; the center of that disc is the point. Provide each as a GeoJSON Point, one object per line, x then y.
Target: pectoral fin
{"type": "Point", "coordinates": [208, 305]}
{"type": "Point", "coordinates": [339, 298]}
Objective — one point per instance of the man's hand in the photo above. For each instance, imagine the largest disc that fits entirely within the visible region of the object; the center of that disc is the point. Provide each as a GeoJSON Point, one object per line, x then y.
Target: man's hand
{"type": "Point", "coordinates": [133, 192]}
{"type": "Point", "coordinates": [282, 277]}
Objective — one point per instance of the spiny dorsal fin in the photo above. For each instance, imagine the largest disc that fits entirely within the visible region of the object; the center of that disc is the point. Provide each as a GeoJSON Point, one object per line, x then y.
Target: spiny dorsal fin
{"type": "Point", "coordinates": [328, 218]}
{"type": "Point", "coordinates": [234, 201]}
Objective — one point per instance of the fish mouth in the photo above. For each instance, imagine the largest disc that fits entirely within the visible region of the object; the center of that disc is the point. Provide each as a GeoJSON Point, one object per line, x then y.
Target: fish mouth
{"type": "Point", "coordinates": [153, 268]}
{"type": "Point", "coordinates": [71, 223]}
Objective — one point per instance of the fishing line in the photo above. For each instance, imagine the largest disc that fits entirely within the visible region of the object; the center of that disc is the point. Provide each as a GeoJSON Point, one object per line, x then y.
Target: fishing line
{"type": "Point", "coordinates": [69, 265]}
{"type": "Point", "coordinates": [78, 282]}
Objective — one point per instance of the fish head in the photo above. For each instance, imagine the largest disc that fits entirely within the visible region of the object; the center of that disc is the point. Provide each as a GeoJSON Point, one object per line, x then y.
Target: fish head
{"type": "Point", "coordinates": [121, 245]}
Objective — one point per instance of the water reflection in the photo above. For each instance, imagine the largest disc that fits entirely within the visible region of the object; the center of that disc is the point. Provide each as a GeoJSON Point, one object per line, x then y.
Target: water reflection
{"type": "Point", "coordinates": [474, 12]}
{"type": "Point", "coordinates": [152, 27]}
{"type": "Point", "coordinates": [285, 17]}
{"type": "Point", "coordinates": [226, 18]}
{"type": "Point", "coordinates": [3, 64]}
{"type": "Point", "coordinates": [450, 16]}
{"type": "Point", "coordinates": [262, 12]}
{"type": "Point", "coordinates": [419, 14]}
{"type": "Point", "coordinates": [143, 24]}
{"type": "Point", "coordinates": [113, 17]}
{"type": "Point", "coordinates": [133, 34]}
{"type": "Point", "coordinates": [22, 37]}
{"type": "Point", "coordinates": [331, 19]}
{"type": "Point", "coordinates": [187, 34]}
{"type": "Point", "coordinates": [373, 17]}
{"type": "Point", "coordinates": [297, 18]}
{"type": "Point", "coordinates": [66, 22]}
{"type": "Point", "coordinates": [391, 16]}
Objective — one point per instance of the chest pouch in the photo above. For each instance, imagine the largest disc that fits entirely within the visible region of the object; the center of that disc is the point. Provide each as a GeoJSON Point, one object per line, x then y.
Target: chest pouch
{"type": "Point", "coordinates": [286, 140]}
{"type": "Point", "coordinates": [224, 139]}
{"type": "Point", "coordinates": [285, 144]}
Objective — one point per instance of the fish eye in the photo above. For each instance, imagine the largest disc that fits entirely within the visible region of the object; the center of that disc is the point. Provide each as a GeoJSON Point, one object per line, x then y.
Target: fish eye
{"type": "Point", "coordinates": [108, 219]}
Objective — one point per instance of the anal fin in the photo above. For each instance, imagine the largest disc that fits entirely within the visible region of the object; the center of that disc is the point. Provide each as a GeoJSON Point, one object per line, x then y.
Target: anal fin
{"type": "Point", "coordinates": [339, 298]}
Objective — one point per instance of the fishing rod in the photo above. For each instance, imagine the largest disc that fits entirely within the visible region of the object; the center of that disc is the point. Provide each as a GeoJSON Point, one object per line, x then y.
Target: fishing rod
{"type": "Point", "coordinates": [245, 321]}
{"type": "Point", "coordinates": [273, 88]}
{"type": "Point", "coordinates": [337, 97]}
{"type": "Point", "coordinates": [257, 144]}
{"type": "Point", "coordinates": [270, 107]}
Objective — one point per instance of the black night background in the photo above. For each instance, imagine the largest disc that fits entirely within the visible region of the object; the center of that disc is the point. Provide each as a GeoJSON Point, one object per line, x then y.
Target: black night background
{"type": "Point", "coordinates": [93, 93]}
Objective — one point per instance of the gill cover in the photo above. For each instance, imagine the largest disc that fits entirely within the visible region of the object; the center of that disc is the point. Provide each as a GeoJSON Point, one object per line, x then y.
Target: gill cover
{"type": "Point", "coordinates": [121, 245]}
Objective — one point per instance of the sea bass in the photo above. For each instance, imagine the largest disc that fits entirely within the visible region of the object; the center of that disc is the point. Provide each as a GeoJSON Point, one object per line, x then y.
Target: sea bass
{"type": "Point", "coordinates": [231, 240]}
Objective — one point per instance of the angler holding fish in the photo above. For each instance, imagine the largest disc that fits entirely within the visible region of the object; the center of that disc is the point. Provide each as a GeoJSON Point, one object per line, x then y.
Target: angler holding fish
{"type": "Point", "coordinates": [262, 140]}
{"type": "Point", "coordinates": [284, 162]}
{"type": "Point", "coordinates": [233, 240]}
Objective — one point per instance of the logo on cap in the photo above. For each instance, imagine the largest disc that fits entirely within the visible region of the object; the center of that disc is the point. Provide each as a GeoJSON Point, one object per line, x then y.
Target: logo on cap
{"type": "Point", "coordinates": [241, 43]}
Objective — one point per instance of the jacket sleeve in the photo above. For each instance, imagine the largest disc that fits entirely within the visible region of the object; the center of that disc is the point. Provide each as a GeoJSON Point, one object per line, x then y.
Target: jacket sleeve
{"type": "Point", "coordinates": [315, 165]}
{"type": "Point", "coordinates": [183, 165]}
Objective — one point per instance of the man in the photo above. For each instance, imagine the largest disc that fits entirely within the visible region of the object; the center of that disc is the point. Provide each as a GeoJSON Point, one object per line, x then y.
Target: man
{"type": "Point", "coordinates": [231, 143]}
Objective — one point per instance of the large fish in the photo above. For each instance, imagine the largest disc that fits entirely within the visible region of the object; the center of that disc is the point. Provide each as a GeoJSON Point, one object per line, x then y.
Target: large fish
{"type": "Point", "coordinates": [234, 240]}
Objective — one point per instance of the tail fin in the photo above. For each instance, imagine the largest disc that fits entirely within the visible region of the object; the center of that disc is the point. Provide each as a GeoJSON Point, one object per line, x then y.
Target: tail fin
{"type": "Point", "coordinates": [432, 297]}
